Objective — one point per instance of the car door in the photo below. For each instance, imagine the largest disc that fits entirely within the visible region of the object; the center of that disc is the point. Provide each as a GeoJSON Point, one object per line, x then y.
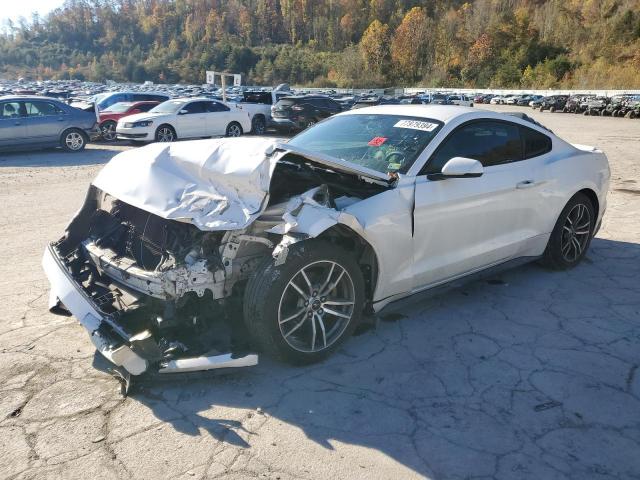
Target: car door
{"type": "Point", "coordinates": [463, 225]}
{"type": "Point", "coordinates": [217, 118]}
{"type": "Point", "coordinates": [44, 121]}
{"type": "Point", "coordinates": [12, 126]}
{"type": "Point", "coordinates": [191, 121]}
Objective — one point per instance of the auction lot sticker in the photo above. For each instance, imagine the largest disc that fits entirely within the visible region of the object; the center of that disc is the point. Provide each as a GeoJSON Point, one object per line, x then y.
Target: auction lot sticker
{"type": "Point", "coordinates": [416, 125]}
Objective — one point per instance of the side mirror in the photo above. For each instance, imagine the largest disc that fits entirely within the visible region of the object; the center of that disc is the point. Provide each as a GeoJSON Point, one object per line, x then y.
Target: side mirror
{"type": "Point", "coordinates": [459, 167]}
{"type": "Point", "coordinates": [183, 112]}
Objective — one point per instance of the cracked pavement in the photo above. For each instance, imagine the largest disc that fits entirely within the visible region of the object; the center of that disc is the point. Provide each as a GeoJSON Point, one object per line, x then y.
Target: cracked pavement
{"type": "Point", "coordinates": [529, 375]}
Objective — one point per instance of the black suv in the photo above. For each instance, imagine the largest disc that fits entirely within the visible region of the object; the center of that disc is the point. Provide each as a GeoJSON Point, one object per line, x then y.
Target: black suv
{"type": "Point", "coordinates": [300, 112]}
{"type": "Point", "coordinates": [553, 103]}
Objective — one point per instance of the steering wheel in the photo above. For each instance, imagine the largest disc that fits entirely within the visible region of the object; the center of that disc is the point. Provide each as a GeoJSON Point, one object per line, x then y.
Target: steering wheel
{"type": "Point", "coordinates": [389, 157]}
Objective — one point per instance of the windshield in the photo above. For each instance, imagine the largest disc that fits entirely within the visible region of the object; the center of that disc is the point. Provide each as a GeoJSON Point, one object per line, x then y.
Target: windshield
{"type": "Point", "coordinates": [385, 143]}
{"type": "Point", "coordinates": [120, 107]}
{"type": "Point", "coordinates": [170, 106]}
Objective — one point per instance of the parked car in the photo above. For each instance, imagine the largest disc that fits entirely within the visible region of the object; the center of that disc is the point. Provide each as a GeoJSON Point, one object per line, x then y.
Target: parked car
{"type": "Point", "coordinates": [184, 118]}
{"type": "Point", "coordinates": [574, 104]}
{"type": "Point", "coordinates": [258, 105]}
{"type": "Point", "coordinates": [103, 101]}
{"type": "Point", "coordinates": [553, 103]}
{"type": "Point", "coordinates": [440, 99]}
{"type": "Point", "coordinates": [108, 118]}
{"type": "Point", "coordinates": [595, 105]}
{"type": "Point", "coordinates": [460, 100]}
{"type": "Point", "coordinates": [28, 122]}
{"type": "Point", "coordinates": [484, 98]}
{"type": "Point", "coordinates": [174, 246]}
{"type": "Point", "coordinates": [497, 100]}
{"type": "Point", "coordinates": [302, 111]}
{"type": "Point", "coordinates": [537, 102]}
{"type": "Point", "coordinates": [524, 100]}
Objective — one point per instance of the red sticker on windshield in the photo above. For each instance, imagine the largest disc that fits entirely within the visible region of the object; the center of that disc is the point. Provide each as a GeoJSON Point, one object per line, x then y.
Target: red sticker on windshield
{"type": "Point", "coordinates": [377, 141]}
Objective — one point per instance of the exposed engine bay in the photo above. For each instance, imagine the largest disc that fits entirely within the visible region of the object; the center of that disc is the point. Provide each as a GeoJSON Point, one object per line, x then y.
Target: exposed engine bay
{"type": "Point", "coordinates": [171, 291]}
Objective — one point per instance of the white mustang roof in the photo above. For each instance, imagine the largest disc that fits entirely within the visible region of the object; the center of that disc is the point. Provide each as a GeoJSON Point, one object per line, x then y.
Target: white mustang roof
{"type": "Point", "coordinates": [444, 113]}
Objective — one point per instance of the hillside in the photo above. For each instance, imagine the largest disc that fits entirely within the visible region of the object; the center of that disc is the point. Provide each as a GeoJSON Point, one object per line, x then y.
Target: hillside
{"type": "Point", "coordinates": [344, 43]}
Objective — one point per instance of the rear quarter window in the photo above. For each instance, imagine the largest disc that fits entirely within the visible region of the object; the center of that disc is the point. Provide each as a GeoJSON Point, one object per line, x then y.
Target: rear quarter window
{"type": "Point", "coordinates": [534, 142]}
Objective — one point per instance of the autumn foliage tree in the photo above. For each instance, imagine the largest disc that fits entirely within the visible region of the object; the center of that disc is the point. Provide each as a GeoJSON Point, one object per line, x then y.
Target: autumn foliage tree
{"type": "Point", "coordinates": [374, 46]}
{"type": "Point", "coordinates": [345, 43]}
{"type": "Point", "coordinates": [410, 47]}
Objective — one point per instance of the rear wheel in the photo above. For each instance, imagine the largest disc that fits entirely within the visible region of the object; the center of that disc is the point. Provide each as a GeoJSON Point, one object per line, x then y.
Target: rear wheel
{"type": "Point", "coordinates": [552, 109]}
{"type": "Point", "coordinates": [571, 235]}
{"type": "Point", "coordinates": [234, 130]}
{"type": "Point", "coordinates": [302, 310]}
{"type": "Point", "coordinates": [108, 131]}
{"type": "Point", "coordinates": [258, 125]}
{"type": "Point", "coordinates": [73, 140]}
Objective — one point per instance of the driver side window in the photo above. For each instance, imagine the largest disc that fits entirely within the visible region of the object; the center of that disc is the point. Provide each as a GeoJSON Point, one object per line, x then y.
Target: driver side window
{"type": "Point", "coordinates": [491, 143]}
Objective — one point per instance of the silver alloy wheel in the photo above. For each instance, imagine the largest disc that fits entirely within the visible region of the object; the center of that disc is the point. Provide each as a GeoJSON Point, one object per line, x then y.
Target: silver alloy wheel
{"type": "Point", "coordinates": [108, 131]}
{"type": "Point", "coordinates": [234, 130]}
{"type": "Point", "coordinates": [74, 141]}
{"type": "Point", "coordinates": [165, 134]}
{"type": "Point", "coordinates": [575, 232]}
{"type": "Point", "coordinates": [316, 306]}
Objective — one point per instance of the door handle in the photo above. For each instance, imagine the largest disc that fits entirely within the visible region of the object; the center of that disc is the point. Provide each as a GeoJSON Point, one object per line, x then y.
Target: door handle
{"type": "Point", "coordinates": [527, 184]}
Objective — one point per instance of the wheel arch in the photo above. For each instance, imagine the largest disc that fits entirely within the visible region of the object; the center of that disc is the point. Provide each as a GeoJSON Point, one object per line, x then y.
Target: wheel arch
{"type": "Point", "coordinates": [367, 258]}
{"type": "Point", "coordinates": [593, 198]}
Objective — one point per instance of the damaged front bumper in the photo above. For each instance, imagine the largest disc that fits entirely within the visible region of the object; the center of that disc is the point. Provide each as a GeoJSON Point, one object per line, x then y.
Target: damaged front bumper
{"type": "Point", "coordinates": [136, 352]}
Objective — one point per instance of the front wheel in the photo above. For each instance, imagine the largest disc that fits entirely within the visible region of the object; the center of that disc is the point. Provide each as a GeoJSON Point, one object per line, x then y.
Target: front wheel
{"type": "Point", "coordinates": [234, 130]}
{"type": "Point", "coordinates": [571, 235]}
{"type": "Point", "coordinates": [165, 133]}
{"type": "Point", "coordinates": [73, 140]}
{"type": "Point", "coordinates": [302, 310]}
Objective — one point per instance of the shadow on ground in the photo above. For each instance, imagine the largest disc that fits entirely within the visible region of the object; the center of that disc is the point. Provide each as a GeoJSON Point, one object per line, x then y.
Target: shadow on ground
{"type": "Point", "coordinates": [532, 374]}
{"type": "Point", "coordinates": [56, 157]}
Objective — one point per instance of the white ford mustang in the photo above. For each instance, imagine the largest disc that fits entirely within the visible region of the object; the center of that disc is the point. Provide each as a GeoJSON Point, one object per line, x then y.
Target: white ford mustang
{"type": "Point", "coordinates": [189, 256]}
{"type": "Point", "coordinates": [184, 118]}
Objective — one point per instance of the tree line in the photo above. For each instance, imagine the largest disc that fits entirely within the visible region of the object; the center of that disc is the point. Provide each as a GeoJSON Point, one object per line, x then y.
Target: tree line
{"type": "Point", "coordinates": [334, 43]}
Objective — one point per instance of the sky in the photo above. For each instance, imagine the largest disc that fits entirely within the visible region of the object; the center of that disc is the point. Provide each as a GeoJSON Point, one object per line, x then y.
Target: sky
{"type": "Point", "coordinates": [12, 9]}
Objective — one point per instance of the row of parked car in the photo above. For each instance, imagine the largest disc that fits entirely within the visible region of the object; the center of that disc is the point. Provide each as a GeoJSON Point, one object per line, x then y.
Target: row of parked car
{"type": "Point", "coordinates": [622, 105]}
{"type": "Point", "coordinates": [142, 115]}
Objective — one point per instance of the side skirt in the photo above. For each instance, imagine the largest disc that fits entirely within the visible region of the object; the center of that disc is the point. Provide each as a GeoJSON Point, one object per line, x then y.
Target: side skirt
{"type": "Point", "coordinates": [420, 296]}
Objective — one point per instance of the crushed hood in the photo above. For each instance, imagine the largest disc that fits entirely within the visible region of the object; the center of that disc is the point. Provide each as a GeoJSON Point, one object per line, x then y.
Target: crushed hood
{"type": "Point", "coordinates": [220, 184]}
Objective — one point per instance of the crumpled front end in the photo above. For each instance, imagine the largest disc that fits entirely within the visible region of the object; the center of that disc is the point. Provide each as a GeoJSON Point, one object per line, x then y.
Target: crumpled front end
{"type": "Point", "coordinates": [149, 291]}
{"type": "Point", "coordinates": [155, 263]}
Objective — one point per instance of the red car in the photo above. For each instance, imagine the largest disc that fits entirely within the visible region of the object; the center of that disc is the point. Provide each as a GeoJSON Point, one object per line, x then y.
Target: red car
{"type": "Point", "coordinates": [108, 118]}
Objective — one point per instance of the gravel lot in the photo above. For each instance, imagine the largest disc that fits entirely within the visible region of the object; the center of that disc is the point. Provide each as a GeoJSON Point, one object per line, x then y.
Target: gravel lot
{"type": "Point", "coordinates": [530, 375]}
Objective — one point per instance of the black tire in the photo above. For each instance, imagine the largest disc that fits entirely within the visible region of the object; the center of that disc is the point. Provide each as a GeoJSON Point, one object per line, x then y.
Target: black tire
{"type": "Point", "coordinates": [165, 133]}
{"type": "Point", "coordinates": [108, 130]}
{"type": "Point", "coordinates": [587, 112]}
{"type": "Point", "coordinates": [73, 140]}
{"type": "Point", "coordinates": [268, 296]}
{"type": "Point", "coordinates": [552, 109]}
{"type": "Point", "coordinates": [557, 256]}
{"type": "Point", "coordinates": [234, 129]}
{"type": "Point", "coordinates": [258, 125]}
